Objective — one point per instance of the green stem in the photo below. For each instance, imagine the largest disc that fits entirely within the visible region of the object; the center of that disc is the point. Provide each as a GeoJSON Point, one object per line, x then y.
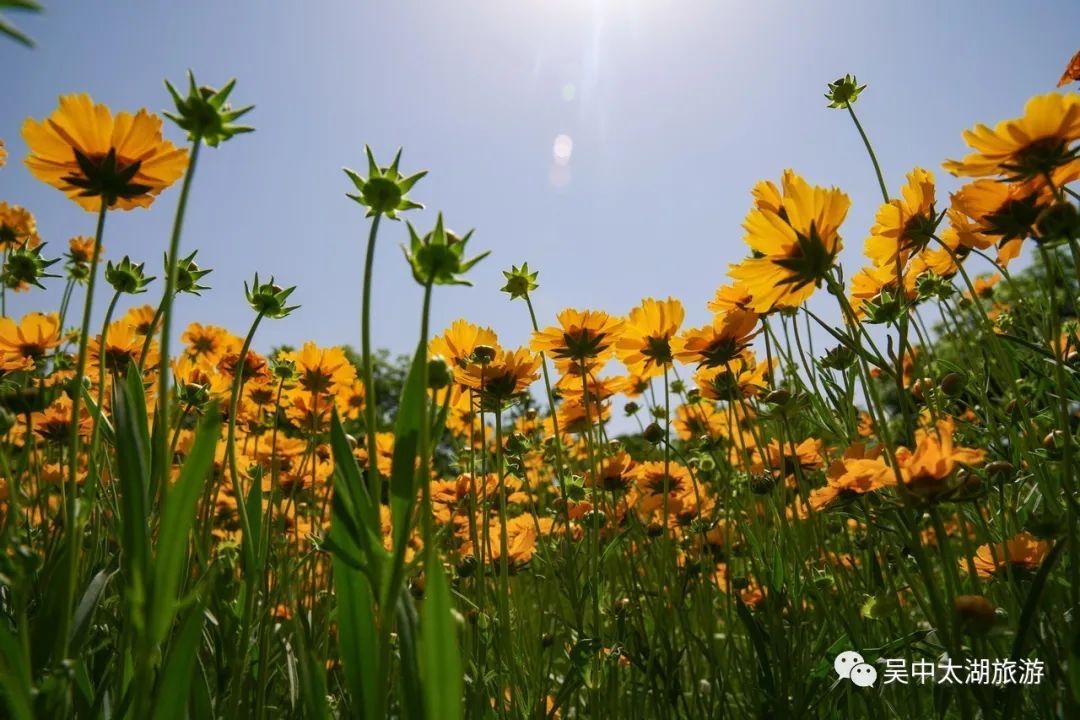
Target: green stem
{"type": "Point", "coordinates": [870, 150]}
{"type": "Point", "coordinates": [162, 437]}
{"type": "Point", "coordinates": [370, 407]}
{"type": "Point", "coordinates": [73, 445]}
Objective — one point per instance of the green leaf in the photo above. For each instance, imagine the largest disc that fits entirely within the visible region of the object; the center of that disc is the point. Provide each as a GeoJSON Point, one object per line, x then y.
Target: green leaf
{"type": "Point", "coordinates": [357, 637]}
{"type": "Point", "coordinates": [440, 654]}
{"type": "Point", "coordinates": [412, 692]}
{"type": "Point", "coordinates": [133, 473]}
{"type": "Point", "coordinates": [312, 675]}
{"type": "Point", "coordinates": [411, 416]}
{"type": "Point", "coordinates": [179, 668]}
{"type": "Point", "coordinates": [15, 678]}
{"type": "Point", "coordinates": [176, 522]}
{"type": "Point", "coordinates": [84, 613]}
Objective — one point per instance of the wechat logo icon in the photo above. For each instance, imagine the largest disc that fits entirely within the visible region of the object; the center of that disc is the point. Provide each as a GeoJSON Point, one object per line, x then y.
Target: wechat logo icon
{"type": "Point", "coordinates": [850, 665]}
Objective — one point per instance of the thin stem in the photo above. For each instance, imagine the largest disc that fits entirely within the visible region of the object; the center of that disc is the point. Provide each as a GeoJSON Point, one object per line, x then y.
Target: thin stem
{"type": "Point", "coordinates": [370, 407]}
{"type": "Point", "coordinates": [73, 444]}
{"type": "Point", "coordinates": [870, 150]}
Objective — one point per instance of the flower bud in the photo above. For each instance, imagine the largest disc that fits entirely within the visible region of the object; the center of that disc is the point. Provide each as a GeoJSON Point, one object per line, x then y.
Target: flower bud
{"type": "Point", "coordinates": [953, 384]}
{"type": "Point", "coordinates": [653, 433]}
{"type": "Point", "coordinates": [439, 375]}
{"type": "Point", "coordinates": [975, 615]}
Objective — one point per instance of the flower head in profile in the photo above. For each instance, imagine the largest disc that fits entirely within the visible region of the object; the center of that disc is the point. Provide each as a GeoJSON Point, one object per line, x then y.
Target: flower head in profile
{"type": "Point", "coordinates": [904, 226]}
{"type": "Point", "coordinates": [743, 377]}
{"type": "Point", "coordinates": [18, 227]}
{"type": "Point", "coordinates": [31, 338]}
{"type": "Point", "coordinates": [718, 343]}
{"type": "Point", "coordinates": [384, 191]}
{"type": "Point", "coordinates": [500, 380]}
{"type": "Point", "coordinates": [1025, 148]}
{"type": "Point", "coordinates": [928, 470]}
{"type": "Point", "coordinates": [859, 471]}
{"type": "Point", "coordinates": [1022, 552]}
{"type": "Point", "coordinates": [645, 344]}
{"type": "Point", "coordinates": [269, 299]}
{"type": "Point", "coordinates": [794, 236]}
{"type": "Point", "coordinates": [459, 343]}
{"type": "Point", "coordinates": [730, 297]}
{"type": "Point", "coordinates": [581, 337]}
{"type": "Point", "coordinates": [1005, 213]}
{"type": "Point", "coordinates": [844, 92]}
{"type": "Point", "coordinates": [1072, 71]}
{"type": "Point", "coordinates": [95, 157]}
{"type": "Point", "coordinates": [25, 266]}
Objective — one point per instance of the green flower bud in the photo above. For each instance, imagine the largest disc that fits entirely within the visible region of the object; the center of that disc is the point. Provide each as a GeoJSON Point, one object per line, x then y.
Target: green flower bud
{"type": "Point", "coordinates": [519, 281]}
{"type": "Point", "coordinates": [439, 374]}
{"type": "Point", "coordinates": [205, 113]}
{"type": "Point", "coordinates": [653, 433]}
{"type": "Point", "coordinates": [384, 191]}
{"type": "Point", "coordinates": [26, 266]}
{"type": "Point", "coordinates": [269, 299]}
{"type": "Point", "coordinates": [126, 276]}
{"type": "Point", "coordinates": [844, 92]}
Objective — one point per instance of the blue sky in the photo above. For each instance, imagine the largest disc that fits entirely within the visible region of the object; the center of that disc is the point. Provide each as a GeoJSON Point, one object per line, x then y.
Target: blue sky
{"type": "Point", "coordinates": [674, 109]}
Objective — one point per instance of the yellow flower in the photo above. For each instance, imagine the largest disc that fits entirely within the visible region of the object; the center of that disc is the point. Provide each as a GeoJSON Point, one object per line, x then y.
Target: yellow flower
{"type": "Point", "coordinates": [645, 344]}
{"type": "Point", "coordinates": [123, 346]}
{"type": "Point", "coordinates": [141, 318]}
{"type": "Point", "coordinates": [794, 242]}
{"type": "Point", "coordinates": [34, 335]}
{"type": "Point", "coordinates": [507, 375]}
{"type": "Point", "coordinates": [904, 226]}
{"type": "Point", "coordinates": [18, 228]}
{"type": "Point", "coordinates": [1026, 147]}
{"type": "Point", "coordinates": [322, 371]}
{"type": "Point", "coordinates": [460, 341]}
{"type": "Point", "coordinates": [3, 154]}
{"type": "Point", "coordinates": [719, 343]}
{"type": "Point", "coordinates": [1071, 74]}
{"type": "Point", "coordinates": [730, 297]}
{"type": "Point", "coordinates": [209, 341]}
{"type": "Point", "coordinates": [700, 420]}
{"type": "Point", "coordinates": [1006, 213]}
{"type": "Point", "coordinates": [582, 335]}
{"type": "Point", "coordinates": [1023, 552]}
{"type": "Point", "coordinates": [81, 249]}
{"type": "Point", "coordinates": [858, 472]}
{"type": "Point", "coordinates": [93, 156]}
{"type": "Point", "coordinates": [928, 470]}
{"type": "Point", "coordinates": [742, 377]}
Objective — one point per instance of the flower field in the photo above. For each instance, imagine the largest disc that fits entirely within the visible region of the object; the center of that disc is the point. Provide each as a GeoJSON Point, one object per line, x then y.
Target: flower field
{"type": "Point", "coordinates": [627, 517]}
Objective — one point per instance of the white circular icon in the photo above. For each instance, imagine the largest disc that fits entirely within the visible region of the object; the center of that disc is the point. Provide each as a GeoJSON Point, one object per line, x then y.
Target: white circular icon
{"type": "Point", "coordinates": [845, 661]}
{"type": "Point", "coordinates": [863, 675]}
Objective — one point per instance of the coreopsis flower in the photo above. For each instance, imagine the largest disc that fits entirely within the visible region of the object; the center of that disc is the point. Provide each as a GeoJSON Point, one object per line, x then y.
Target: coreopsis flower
{"type": "Point", "coordinates": [571, 386]}
{"type": "Point", "coordinates": [269, 299]}
{"type": "Point", "coordinates": [53, 424]}
{"type": "Point", "coordinates": [905, 225]}
{"type": "Point", "coordinates": [1023, 552]}
{"type": "Point", "coordinates": [700, 420]}
{"type": "Point", "coordinates": [95, 157]}
{"type": "Point", "coordinates": [3, 153]}
{"type": "Point", "coordinates": [743, 377]}
{"type": "Point", "coordinates": [350, 401]}
{"type": "Point", "coordinates": [18, 227]}
{"type": "Point", "coordinates": [652, 481]}
{"type": "Point", "coordinates": [718, 343]}
{"type": "Point", "coordinates": [730, 297]}
{"type": "Point", "coordinates": [1025, 148]}
{"type": "Point", "coordinates": [928, 471]}
{"type": "Point", "coordinates": [143, 319]}
{"type": "Point", "coordinates": [1071, 74]}
{"type": "Point", "coordinates": [123, 347]}
{"type": "Point", "coordinates": [127, 277]}
{"type": "Point", "coordinates": [509, 374]}
{"type": "Point", "coordinates": [788, 458]}
{"type": "Point", "coordinates": [795, 241]}
{"type": "Point", "coordinates": [1006, 213]}
{"type": "Point", "coordinates": [750, 592]}
{"type": "Point", "coordinates": [874, 294]}
{"type": "Point", "coordinates": [26, 267]}
{"type": "Point", "coordinates": [31, 338]}
{"type": "Point", "coordinates": [859, 471]}
{"type": "Point", "coordinates": [322, 370]}
{"type": "Point", "coordinates": [458, 344]}
{"type": "Point", "coordinates": [209, 341]}
{"type": "Point", "coordinates": [575, 416]}
{"type": "Point", "coordinates": [519, 281]}
{"type": "Point", "coordinates": [615, 473]}
{"type": "Point", "coordinates": [583, 337]}
{"type": "Point", "coordinates": [252, 367]}
{"type": "Point", "coordinates": [645, 344]}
